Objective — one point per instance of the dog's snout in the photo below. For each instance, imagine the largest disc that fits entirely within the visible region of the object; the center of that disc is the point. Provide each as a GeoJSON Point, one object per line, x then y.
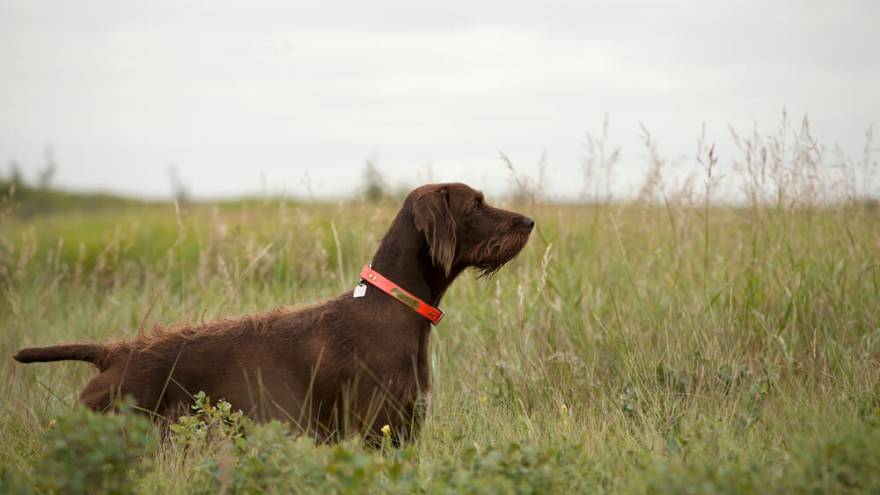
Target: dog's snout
{"type": "Point", "coordinates": [527, 222]}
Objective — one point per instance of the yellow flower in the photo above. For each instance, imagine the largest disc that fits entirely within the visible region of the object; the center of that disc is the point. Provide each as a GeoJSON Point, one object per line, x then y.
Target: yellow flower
{"type": "Point", "coordinates": [386, 430]}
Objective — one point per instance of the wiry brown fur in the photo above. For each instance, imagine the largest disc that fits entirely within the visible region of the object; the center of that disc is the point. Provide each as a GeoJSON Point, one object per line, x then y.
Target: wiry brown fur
{"type": "Point", "coordinates": [343, 366]}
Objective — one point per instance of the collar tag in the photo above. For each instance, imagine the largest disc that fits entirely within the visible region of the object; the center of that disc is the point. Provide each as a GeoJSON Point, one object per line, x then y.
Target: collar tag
{"type": "Point", "coordinates": [359, 290]}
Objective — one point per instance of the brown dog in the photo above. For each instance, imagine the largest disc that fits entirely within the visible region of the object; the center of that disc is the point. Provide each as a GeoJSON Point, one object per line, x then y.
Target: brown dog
{"type": "Point", "coordinates": [351, 364]}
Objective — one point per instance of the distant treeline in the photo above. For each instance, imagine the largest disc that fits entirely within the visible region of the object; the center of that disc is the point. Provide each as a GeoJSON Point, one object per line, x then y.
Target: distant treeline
{"type": "Point", "coordinates": [25, 201]}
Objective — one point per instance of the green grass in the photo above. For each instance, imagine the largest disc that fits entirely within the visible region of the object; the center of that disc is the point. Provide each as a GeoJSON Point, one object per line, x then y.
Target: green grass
{"type": "Point", "coordinates": [629, 349]}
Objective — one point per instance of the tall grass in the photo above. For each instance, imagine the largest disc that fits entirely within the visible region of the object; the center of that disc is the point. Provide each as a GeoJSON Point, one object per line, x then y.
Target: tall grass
{"type": "Point", "coordinates": [664, 344]}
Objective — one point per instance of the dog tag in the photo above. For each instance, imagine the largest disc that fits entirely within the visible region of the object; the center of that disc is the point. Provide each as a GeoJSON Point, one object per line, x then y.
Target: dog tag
{"type": "Point", "coordinates": [360, 290]}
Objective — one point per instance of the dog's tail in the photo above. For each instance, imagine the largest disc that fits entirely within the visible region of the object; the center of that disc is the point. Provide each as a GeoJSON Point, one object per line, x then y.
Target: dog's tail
{"type": "Point", "coordinates": [93, 353]}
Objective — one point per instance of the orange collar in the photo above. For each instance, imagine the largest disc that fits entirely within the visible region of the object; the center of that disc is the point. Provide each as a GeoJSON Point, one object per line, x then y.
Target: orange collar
{"type": "Point", "coordinates": [378, 281]}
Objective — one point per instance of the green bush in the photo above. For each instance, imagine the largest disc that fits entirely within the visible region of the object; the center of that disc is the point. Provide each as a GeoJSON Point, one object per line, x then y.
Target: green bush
{"type": "Point", "coordinates": [13, 483]}
{"type": "Point", "coordinates": [234, 455]}
{"type": "Point", "coordinates": [845, 462]}
{"type": "Point", "coordinates": [208, 424]}
{"type": "Point", "coordinates": [514, 468]}
{"type": "Point", "coordinates": [272, 460]}
{"type": "Point", "coordinates": [275, 462]}
{"type": "Point", "coordinates": [87, 452]}
{"type": "Point", "coordinates": [848, 462]}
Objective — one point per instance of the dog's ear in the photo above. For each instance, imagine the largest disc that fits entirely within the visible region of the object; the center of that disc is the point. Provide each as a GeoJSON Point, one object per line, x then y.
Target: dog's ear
{"type": "Point", "coordinates": [433, 218]}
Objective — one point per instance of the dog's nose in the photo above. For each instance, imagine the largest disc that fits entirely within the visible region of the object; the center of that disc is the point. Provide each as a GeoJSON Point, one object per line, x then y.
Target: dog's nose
{"type": "Point", "coordinates": [528, 222]}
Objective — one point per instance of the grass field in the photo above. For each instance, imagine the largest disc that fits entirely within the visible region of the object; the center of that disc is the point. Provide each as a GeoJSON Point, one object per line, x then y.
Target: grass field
{"type": "Point", "coordinates": [631, 348]}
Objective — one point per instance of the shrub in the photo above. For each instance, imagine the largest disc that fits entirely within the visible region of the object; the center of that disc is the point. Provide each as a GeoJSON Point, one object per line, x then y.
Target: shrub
{"type": "Point", "coordinates": [87, 452]}
{"type": "Point", "coordinates": [238, 456]}
{"type": "Point", "coordinates": [234, 455]}
{"type": "Point", "coordinates": [208, 424]}
{"type": "Point", "coordinates": [514, 468]}
{"type": "Point", "coordinates": [12, 482]}
{"type": "Point", "coordinates": [845, 462]}
{"type": "Point", "coordinates": [275, 461]}
{"type": "Point", "coordinates": [272, 459]}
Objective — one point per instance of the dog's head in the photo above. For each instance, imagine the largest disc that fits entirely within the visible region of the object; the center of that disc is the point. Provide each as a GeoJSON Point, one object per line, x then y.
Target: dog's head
{"type": "Point", "coordinates": [462, 230]}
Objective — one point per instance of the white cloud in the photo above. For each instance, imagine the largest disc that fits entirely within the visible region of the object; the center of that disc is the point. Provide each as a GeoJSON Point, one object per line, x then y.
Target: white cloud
{"type": "Point", "coordinates": [229, 90]}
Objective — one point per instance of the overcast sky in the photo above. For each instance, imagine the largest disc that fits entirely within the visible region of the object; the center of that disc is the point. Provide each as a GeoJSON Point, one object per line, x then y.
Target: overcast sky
{"type": "Point", "coordinates": [240, 94]}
